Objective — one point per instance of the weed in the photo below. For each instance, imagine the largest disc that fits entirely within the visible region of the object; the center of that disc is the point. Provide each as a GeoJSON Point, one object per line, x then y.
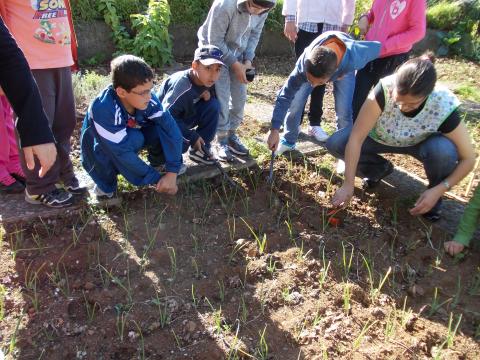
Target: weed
{"type": "Point", "coordinates": [291, 235]}
{"type": "Point", "coordinates": [391, 324]}
{"type": "Point", "coordinates": [452, 332]}
{"type": "Point", "coordinates": [346, 298]}
{"type": "Point", "coordinates": [347, 263]}
{"type": "Point", "coordinates": [177, 340]}
{"type": "Point", "coordinates": [60, 280]}
{"type": "Point", "coordinates": [142, 341]}
{"type": "Point", "coordinates": [261, 242]}
{"type": "Point", "coordinates": [358, 341]}
{"type": "Point", "coordinates": [194, 296]}
{"type": "Point", "coordinates": [243, 310]}
{"type": "Point", "coordinates": [406, 314]}
{"type": "Point", "coordinates": [127, 288]}
{"type": "Point", "coordinates": [13, 340]}
{"type": "Point", "coordinates": [173, 260]}
{"type": "Point", "coordinates": [458, 293]}
{"type": "Point", "coordinates": [90, 309]}
{"type": "Point", "coordinates": [3, 293]}
{"type": "Point", "coordinates": [436, 304]}
{"type": "Point", "coordinates": [375, 291]}
{"type": "Point", "coordinates": [271, 266]}
{"type": "Point", "coordinates": [121, 320]}
{"type": "Point", "coordinates": [163, 312]}
{"type": "Point", "coordinates": [261, 351]}
{"type": "Point", "coordinates": [195, 268]}
{"type": "Point", "coordinates": [322, 277]}
{"type": "Point", "coordinates": [221, 290]}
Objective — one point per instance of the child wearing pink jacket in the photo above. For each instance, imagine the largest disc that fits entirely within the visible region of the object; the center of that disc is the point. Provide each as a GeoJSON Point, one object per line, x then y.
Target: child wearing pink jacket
{"type": "Point", "coordinates": [397, 24]}
{"type": "Point", "coordinates": [11, 175]}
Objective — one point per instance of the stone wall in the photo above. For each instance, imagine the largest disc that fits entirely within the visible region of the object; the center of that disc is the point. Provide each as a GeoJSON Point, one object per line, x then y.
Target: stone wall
{"type": "Point", "coordinates": [94, 39]}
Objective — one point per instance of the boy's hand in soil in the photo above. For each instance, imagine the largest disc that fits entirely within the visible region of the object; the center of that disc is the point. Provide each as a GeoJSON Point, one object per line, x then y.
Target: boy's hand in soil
{"type": "Point", "coordinates": [198, 144]}
{"type": "Point", "coordinates": [273, 139]}
{"type": "Point", "coordinates": [342, 196]}
{"type": "Point", "coordinates": [426, 201]}
{"type": "Point", "coordinates": [206, 95]}
{"type": "Point", "coordinates": [239, 69]}
{"type": "Point", "coordinates": [168, 184]}
{"type": "Point", "coordinates": [453, 248]}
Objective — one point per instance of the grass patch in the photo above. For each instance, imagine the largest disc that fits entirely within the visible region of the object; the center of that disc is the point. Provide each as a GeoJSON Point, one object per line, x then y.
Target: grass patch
{"type": "Point", "coordinates": [87, 85]}
{"type": "Point", "coordinates": [468, 92]}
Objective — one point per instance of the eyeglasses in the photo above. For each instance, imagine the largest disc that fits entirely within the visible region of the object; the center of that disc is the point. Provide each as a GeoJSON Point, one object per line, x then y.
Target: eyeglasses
{"type": "Point", "coordinates": [144, 93]}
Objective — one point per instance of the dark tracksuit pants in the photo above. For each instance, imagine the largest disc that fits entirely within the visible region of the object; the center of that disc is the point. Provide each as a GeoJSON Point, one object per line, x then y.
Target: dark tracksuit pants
{"type": "Point", "coordinates": [55, 86]}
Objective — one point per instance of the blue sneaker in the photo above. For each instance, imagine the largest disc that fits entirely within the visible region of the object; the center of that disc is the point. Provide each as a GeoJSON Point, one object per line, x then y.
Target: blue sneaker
{"type": "Point", "coordinates": [235, 145]}
{"type": "Point", "coordinates": [283, 147]}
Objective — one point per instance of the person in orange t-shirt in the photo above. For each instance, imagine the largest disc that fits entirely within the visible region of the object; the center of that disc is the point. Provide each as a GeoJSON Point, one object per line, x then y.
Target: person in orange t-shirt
{"type": "Point", "coordinates": [42, 29]}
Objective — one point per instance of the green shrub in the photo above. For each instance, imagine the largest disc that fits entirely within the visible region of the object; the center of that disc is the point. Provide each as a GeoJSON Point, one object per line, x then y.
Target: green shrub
{"type": "Point", "coordinates": [87, 85]}
{"type": "Point", "coordinates": [444, 15]}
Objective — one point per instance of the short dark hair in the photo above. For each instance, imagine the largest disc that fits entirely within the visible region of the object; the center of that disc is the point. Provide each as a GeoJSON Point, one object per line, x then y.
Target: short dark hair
{"type": "Point", "coordinates": [321, 62]}
{"type": "Point", "coordinates": [129, 71]}
{"type": "Point", "coordinates": [417, 76]}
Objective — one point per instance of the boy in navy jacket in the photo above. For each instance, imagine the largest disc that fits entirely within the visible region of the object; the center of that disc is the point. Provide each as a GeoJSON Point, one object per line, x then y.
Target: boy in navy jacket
{"type": "Point", "coordinates": [125, 118]}
{"type": "Point", "coordinates": [189, 96]}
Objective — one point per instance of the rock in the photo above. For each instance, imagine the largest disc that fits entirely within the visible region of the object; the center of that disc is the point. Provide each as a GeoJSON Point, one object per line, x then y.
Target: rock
{"type": "Point", "coordinates": [416, 290]}
{"type": "Point", "coordinates": [378, 312]}
{"type": "Point", "coordinates": [89, 285]}
{"type": "Point", "coordinates": [191, 326]}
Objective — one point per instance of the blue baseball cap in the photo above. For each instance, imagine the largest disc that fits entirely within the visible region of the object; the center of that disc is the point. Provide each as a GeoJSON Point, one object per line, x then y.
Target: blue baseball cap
{"type": "Point", "coordinates": [208, 55]}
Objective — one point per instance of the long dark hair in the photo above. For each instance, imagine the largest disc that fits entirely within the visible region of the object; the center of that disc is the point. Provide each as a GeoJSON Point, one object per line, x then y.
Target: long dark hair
{"type": "Point", "coordinates": [417, 76]}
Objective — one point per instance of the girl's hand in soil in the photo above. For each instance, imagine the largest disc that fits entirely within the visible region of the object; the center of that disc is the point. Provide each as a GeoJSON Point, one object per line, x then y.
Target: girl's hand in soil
{"type": "Point", "coordinates": [168, 184]}
{"type": "Point", "coordinates": [426, 201]}
{"type": "Point", "coordinates": [342, 196]}
{"type": "Point", "coordinates": [453, 248]}
{"type": "Point", "coordinates": [273, 139]}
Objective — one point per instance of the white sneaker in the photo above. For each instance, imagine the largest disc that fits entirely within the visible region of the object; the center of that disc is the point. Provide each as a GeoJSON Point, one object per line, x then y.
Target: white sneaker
{"type": "Point", "coordinates": [340, 166]}
{"type": "Point", "coordinates": [283, 147]}
{"type": "Point", "coordinates": [102, 194]}
{"type": "Point", "coordinates": [318, 133]}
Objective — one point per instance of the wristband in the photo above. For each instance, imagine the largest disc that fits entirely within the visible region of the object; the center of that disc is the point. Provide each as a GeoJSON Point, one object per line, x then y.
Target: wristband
{"type": "Point", "coordinates": [446, 184]}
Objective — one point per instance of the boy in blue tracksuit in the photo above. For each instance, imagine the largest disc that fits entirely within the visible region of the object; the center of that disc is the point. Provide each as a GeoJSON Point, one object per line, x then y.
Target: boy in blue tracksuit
{"type": "Point", "coordinates": [189, 96]}
{"type": "Point", "coordinates": [125, 118]}
{"type": "Point", "coordinates": [332, 56]}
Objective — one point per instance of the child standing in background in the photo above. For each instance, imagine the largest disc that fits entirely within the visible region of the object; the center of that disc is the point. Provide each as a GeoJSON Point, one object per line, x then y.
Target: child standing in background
{"type": "Point", "coordinates": [234, 26]}
{"type": "Point", "coordinates": [11, 174]}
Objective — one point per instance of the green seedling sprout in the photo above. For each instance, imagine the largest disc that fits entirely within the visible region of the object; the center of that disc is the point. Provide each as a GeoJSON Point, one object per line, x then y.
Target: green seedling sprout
{"type": "Point", "coordinates": [261, 242]}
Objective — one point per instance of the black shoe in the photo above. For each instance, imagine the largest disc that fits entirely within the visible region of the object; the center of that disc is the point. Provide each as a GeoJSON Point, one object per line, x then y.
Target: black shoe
{"type": "Point", "coordinates": [200, 157]}
{"type": "Point", "coordinates": [14, 188]}
{"type": "Point", "coordinates": [19, 178]}
{"type": "Point", "coordinates": [74, 188]}
{"type": "Point", "coordinates": [433, 215]}
{"type": "Point", "coordinates": [57, 198]}
{"type": "Point", "coordinates": [371, 183]}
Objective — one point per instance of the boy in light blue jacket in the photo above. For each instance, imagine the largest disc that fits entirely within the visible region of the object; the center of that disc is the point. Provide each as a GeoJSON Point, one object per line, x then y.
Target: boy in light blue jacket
{"type": "Point", "coordinates": [332, 56]}
{"type": "Point", "coordinates": [235, 27]}
{"type": "Point", "coordinates": [125, 118]}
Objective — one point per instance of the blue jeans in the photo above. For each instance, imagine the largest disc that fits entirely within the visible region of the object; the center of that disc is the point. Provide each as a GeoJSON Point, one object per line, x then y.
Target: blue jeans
{"type": "Point", "coordinates": [231, 95]}
{"type": "Point", "coordinates": [437, 153]}
{"type": "Point", "coordinates": [343, 93]}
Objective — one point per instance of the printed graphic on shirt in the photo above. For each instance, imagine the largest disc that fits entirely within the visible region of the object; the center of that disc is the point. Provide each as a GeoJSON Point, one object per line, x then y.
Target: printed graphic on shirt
{"type": "Point", "coordinates": [49, 31]}
{"type": "Point", "coordinates": [397, 7]}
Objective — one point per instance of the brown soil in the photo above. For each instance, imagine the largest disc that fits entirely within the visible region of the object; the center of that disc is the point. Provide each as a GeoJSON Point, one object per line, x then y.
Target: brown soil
{"type": "Point", "coordinates": [75, 286]}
